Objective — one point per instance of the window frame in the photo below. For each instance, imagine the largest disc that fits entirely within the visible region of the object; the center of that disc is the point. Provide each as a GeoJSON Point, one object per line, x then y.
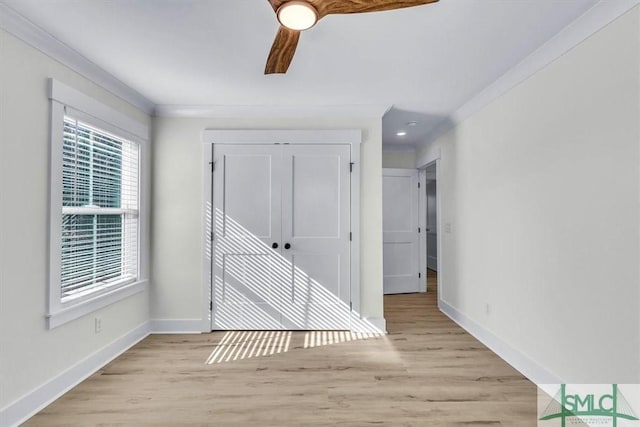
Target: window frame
{"type": "Point", "coordinates": [66, 101]}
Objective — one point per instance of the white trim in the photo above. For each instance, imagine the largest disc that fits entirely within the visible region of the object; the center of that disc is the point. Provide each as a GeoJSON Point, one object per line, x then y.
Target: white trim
{"type": "Point", "coordinates": [144, 202]}
{"type": "Point", "coordinates": [271, 111]}
{"type": "Point", "coordinates": [62, 98]}
{"type": "Point", "coordinates": [599, 16]}
{"type": "Point", "coordinates": [376, 325]}
{"type": "Point", "coordinates": [54, 293]}
{"type": "Point", "coordinates": [207, 233]}
{"type": "Point", "coordinates": [28, 405]}
{"type": "Point", "coordinates": [430, 156]}
{"type": "Point", "coordinates": [439, 223]}
{"type": "Point", "coordinates": [77, 100]}
{"type": "Point", "coordinates": [97, 301]}
{"type": "Point", "coordinates": [422, 223]}
{"type": "Point", "coordinates": [355, 230]}
{"type": "Point", "coordinates": [20, 27]}
{"type": "Point", "coordinates": [270, 136]}
{"type": "Point", "coordinates": [526, 366]}
{"type": "Point", "coordinates": [176, 326]}
{"type": "Point", "coordinates": [378, 322]}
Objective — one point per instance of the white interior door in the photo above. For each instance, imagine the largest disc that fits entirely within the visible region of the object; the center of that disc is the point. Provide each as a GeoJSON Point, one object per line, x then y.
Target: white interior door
{"type": "Point", "coordinates": [400, 231]}
{"type": "Point", "coordinates": [315, 236]}
{"type": "Point", "coordinates": [247, 270]}
{"type": "Point", "coordinates": [281, 246]}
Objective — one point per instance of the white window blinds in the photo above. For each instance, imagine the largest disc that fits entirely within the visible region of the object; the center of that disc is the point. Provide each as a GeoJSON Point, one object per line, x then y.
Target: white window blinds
{"type": "Point", "coordinates": [100, 210]}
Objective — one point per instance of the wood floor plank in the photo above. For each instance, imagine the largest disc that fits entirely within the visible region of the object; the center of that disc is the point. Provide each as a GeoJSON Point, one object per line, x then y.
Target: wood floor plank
{"type": "Point", "coordinates": [426, 372]}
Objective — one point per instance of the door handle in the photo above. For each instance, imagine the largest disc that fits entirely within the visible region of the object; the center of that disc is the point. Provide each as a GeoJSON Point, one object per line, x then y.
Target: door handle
{"type": "Point", "coordinates": [287, 246]}
{"type": "Point", "coordinates": [274, 245]}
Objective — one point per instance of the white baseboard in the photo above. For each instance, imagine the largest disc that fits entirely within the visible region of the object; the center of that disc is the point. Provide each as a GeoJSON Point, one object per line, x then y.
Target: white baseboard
{"type": "Point", "coordinates": [34, 401]}
{"type": "Point", "coordinates": [29, 404]}
{"type": "Point", "coordinates": [176, 326]}
{"type": "Point", "coordinates": [522, 363]}
{"type": "Point", "coordinates": [376, 325]}
{"type": "Point", "coordinates": [379, 322]}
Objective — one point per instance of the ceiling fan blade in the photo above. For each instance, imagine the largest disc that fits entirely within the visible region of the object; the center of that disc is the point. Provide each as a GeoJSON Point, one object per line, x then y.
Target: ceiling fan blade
{"type": "Point", "coordinates": [282, 51]}
{"type": "Point", "coordinates": [328, 7]}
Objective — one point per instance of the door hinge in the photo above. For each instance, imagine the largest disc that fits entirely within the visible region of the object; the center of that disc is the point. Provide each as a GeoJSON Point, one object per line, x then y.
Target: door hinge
{"type": "Point", "coordinates": [350, 306]}
{"type": "Point", "coordinates": [211, 236]}
{"type": "Point", "coordinates": [213, 166]}
{"type": "Point", "coordinates": [418, 185]}
{"type": "Point", "coordinates": [419, 230]}
{"type": "Point", "coordinates": [419, 275]}
{"type": "Point", "coordinates": [350, 236]}
{"type": "Point", "coordinates": [351, 167]}
{"type": "Point", "coordinates": [210, 305]}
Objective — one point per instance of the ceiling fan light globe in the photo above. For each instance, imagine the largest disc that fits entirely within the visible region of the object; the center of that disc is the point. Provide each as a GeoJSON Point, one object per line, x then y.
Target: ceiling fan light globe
{"type": "Point", "coordinates": [297, 15]}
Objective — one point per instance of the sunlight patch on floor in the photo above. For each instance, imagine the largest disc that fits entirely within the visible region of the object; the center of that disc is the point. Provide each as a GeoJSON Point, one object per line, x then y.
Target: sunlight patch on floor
{"type": "Point", "coordinates": [240, 345]}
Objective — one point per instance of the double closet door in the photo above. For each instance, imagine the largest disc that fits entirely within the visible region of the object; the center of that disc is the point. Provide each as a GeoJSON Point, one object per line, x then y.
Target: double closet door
{"type": "Point", "coordinates": [281, 221]}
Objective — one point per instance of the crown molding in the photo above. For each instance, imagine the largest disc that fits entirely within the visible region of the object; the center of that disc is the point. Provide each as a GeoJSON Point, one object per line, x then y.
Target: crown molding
{"type": "Point", "coordinates": [286, 136]}
{"type": "Point", "coordinates": [271, 111]}
{"type": "Point", "coordinates": [593, 20]}
{"type": "Point", "coordinates": [20, 27]}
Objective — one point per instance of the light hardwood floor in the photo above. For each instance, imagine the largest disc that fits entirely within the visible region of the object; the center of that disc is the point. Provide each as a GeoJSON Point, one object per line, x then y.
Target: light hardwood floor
{"type": "Point", "coordinates": [426, 372]}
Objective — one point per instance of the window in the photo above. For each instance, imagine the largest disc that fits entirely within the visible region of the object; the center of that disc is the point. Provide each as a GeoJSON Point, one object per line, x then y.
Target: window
{"type": "Point", "coordinates": [99, 246]}
{"type": "Point", "coordinates": [97, 229]}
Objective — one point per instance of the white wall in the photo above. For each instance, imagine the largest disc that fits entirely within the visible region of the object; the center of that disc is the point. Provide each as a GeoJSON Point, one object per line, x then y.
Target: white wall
{"type": "Point", "coordinates": [177, 210]}
{"type": "Point", "coordinates": [31, 355]}
{"type": "Point", "coordinates": [399, 159]}
{"type": "Point", "coordinates": [542, 190]}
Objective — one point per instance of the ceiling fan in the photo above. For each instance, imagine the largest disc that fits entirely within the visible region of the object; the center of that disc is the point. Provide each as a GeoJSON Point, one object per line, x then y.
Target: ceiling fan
{"type": "Point", "coordinates": [296, 16]}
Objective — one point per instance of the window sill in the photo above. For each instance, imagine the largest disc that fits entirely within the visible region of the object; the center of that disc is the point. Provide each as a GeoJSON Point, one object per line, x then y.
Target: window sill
{"type": "Point", "coordinates": [90, 305]}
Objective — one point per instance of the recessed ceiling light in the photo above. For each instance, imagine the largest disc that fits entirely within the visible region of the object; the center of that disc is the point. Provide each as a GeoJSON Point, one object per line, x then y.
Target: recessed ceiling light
{"type": "Point", "coordinates": [401, 133]}
{"type": "Point", "coordinates": [297, 15]}
{"type": "Point", "coordinates": [412, 123]}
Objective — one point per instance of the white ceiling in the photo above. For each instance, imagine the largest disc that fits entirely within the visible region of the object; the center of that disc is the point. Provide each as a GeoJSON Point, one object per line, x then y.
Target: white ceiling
{"type": "Point", "coordinates": [426, 61]}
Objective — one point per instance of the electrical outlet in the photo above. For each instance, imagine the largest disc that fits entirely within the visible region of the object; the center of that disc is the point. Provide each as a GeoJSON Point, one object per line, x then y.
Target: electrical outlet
{"type": "Point", "coordinates": [98, 324]}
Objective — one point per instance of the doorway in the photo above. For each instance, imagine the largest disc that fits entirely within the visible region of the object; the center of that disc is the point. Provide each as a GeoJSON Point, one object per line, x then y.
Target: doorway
{"type": "Point", "coordinates": [431, 225]}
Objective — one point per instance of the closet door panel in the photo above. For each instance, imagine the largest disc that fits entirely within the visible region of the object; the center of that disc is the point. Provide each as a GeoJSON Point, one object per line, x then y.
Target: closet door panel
{"type": "Point", "coordinates": [248, 277]}
{"type": "Point", "coordinates": [315, 223]}
{"type": "Point", "coordinates": [314, 296]}
{"type": "Point", "coordinates": [248, 195]}
{"type": "Point", "coordinates": [315, 181]}
{"type": "Point", "coordinates": [245, 297]}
